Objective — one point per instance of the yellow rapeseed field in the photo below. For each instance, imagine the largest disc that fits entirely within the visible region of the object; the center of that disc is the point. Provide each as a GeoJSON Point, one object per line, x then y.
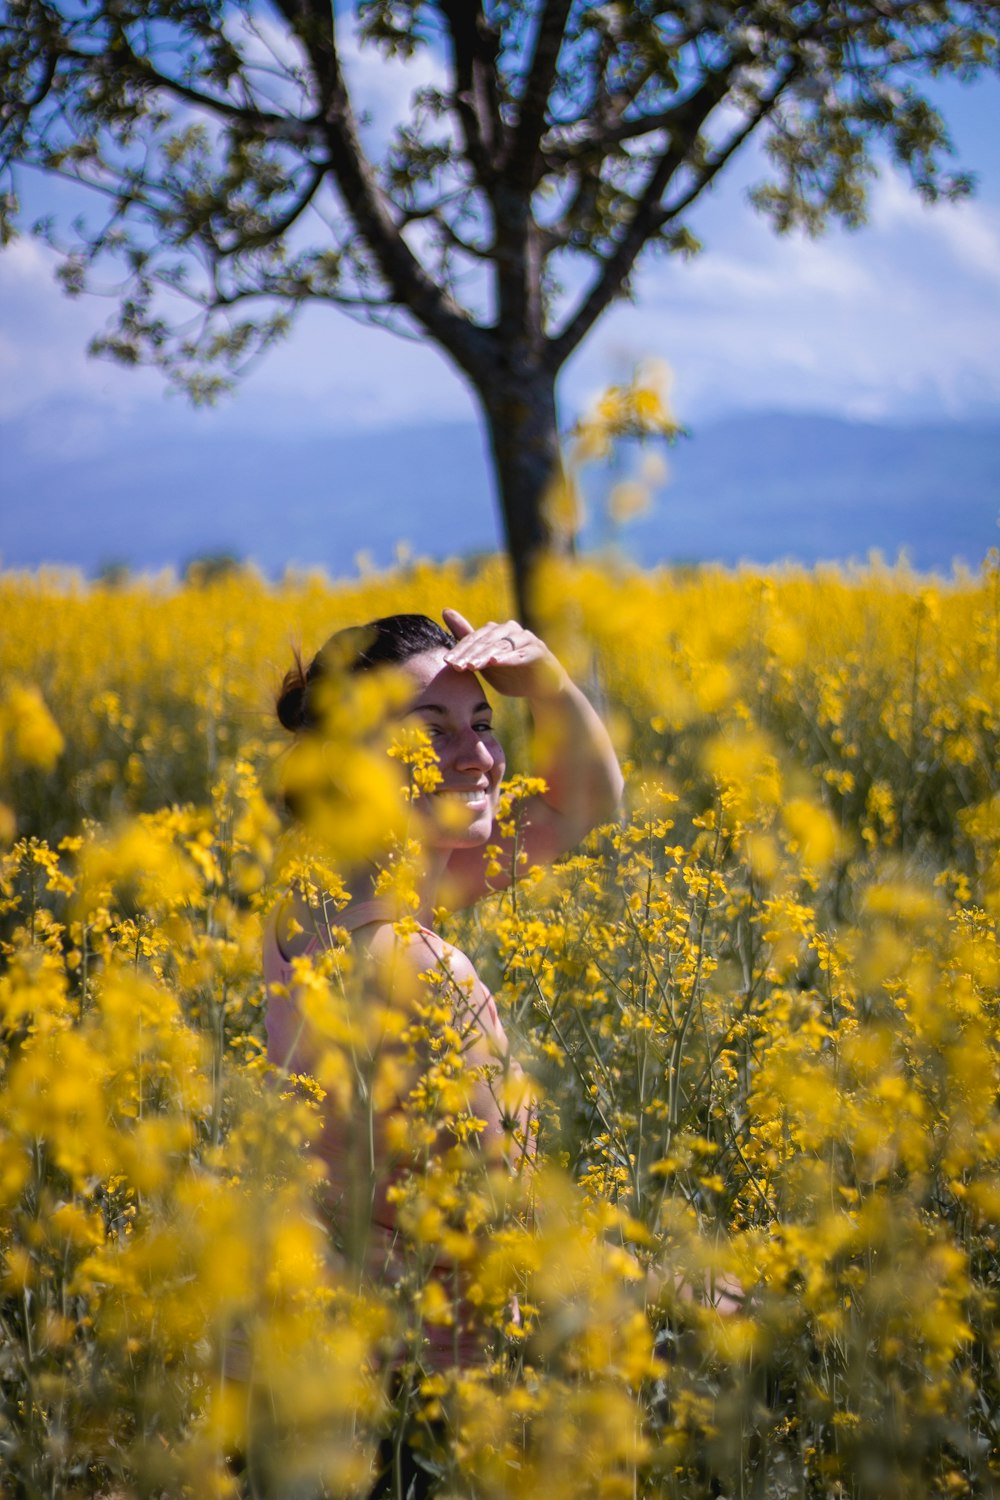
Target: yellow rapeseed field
{"type": "Point", "coordinates": [759, 1012]}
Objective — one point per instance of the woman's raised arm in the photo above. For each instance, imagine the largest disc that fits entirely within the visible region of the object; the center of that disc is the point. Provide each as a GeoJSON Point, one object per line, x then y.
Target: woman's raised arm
{"type": "Point", "coordinates": [572, 748]}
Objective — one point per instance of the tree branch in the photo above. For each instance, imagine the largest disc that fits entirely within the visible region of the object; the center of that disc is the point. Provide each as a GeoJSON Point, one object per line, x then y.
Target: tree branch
{"type": "Point", "coordinates": [436, 310]}
{"type": "Point", "coordinates": [44, 85]}
{"type": "Point", "coordinates": [435, 216]}
{"type": "Point", "coordinates": [736, 140]}
{"type": "Point", "coordinates": [523, 155]}
{"type": "Point", "coordinates": [474, 53]}
{"type": "Point", "coordinates": [275, 228]}
{"type": "Point", "coordinates": [688, 120]}
{"type": "Point", "coordinates": [578, 210]}
{"type": "Point", "coordinates": [296, 132]}
{"type": "Point", "coordinates": [596, 142]}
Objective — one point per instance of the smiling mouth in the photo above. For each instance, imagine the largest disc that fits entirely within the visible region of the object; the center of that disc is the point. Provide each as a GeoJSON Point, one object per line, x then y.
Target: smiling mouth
{"type": "Point", "coordinates": [472, 798]}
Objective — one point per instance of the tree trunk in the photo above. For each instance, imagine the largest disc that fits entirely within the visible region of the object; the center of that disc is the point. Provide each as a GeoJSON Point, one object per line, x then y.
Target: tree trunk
{"type": "Point", "coordinates": [520, 410]}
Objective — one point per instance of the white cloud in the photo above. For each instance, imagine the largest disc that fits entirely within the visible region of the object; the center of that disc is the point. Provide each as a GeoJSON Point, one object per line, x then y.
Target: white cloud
{"type": "Point", "coordinates": [900, 319]}
{"type": "Point", "coordinates": [26, 263]}
{"type": "Point", "coordinates": [264, 40]}
{"type": "Point", "coordinates": [799, 268]}
{"type": "Point", "coordinates": [332, 374]}
{"type": "Point", "coordinates": [336, 374]}
{"type": "Point", "coordinates": [968, 230]}
{"type": "Point", "coordinates": [43, 342]}
{"type": "Point", "coordinates": [384, 86]}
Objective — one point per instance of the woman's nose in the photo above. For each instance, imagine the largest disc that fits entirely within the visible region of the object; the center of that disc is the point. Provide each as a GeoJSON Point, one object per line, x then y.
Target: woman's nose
{"type": "Point", "coordinates": [473, 752]}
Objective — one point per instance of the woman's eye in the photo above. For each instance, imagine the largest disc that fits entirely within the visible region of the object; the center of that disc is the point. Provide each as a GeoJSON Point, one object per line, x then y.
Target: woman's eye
{"type": "Point", "coordinates": [484, 727]}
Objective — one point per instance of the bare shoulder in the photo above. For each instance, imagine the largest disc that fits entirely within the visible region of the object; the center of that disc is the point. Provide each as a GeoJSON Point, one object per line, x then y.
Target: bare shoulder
{"type": "Point", "coordinates": [416, 950]}
{"type": "Point", "coordinates": [420, 962]}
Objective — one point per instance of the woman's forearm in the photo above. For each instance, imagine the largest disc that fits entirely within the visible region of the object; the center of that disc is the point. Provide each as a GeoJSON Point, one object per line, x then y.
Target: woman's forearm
{"type": "Point", "coordinates": [574, 754]}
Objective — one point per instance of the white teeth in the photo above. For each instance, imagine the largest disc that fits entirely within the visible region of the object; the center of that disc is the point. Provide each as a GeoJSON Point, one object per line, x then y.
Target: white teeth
{"type": "Point", "coordinates": [476, 795]}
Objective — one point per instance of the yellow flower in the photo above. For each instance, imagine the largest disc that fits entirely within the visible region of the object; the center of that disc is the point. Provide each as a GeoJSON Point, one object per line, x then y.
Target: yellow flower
{"type": "Point", "coordinates": [34, 736]}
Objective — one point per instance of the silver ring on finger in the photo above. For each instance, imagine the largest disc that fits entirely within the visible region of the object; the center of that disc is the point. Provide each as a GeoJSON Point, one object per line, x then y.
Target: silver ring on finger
{"type": "Point", "coordinates": [509, 641]}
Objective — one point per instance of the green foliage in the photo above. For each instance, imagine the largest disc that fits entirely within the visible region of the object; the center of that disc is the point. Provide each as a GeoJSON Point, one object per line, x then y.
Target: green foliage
{"type": "Point", "coordinates": [557, 132]}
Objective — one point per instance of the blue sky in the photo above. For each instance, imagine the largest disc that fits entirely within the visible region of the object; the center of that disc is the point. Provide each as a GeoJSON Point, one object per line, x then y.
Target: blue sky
{"type": "Point", "coordinates": [898, 322]}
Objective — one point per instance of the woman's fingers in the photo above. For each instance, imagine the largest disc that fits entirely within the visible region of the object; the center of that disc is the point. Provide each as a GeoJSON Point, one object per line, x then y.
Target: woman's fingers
{"type": "Point", "coordinates": [498, 643]}
{"type": "Point", "coordinates": [456, 623]}
{"type": "Point", "coordinates": [490, 643]}
{"type": "Point", "coordinates": [511, 658]}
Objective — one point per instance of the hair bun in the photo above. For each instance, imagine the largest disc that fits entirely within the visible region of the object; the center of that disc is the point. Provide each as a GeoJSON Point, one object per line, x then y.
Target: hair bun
{"type": "Point", "coordinates": [291, 703]}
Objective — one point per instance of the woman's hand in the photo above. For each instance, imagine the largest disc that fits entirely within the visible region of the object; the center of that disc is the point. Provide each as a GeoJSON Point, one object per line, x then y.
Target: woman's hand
{"type": "Point", "coordinates": [510, 658]}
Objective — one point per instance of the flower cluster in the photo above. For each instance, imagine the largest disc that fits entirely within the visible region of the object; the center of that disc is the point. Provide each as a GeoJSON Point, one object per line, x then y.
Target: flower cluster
{"type": "Point", "coordinates": [743, 1235]}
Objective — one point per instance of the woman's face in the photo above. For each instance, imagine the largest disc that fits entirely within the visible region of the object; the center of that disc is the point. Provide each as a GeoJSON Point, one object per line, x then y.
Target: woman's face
{"type": "Point", "coordinates": [452, 709]}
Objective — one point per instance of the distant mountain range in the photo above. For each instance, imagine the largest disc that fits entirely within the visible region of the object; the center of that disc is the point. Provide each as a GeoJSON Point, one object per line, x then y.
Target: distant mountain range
{"type": "Point", "coordinates": [816, 488]}
{"type": "Point", "coordinates": [759, 488]}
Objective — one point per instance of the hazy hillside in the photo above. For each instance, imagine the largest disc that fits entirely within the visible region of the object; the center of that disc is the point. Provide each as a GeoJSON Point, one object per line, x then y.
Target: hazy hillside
{"type": "Point", "coordinates": [813, 488]}
{"type": "Point", "coordinates": [751, 487]}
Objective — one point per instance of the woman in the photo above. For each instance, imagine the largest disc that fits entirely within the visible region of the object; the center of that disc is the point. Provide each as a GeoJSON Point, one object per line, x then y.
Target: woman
{"type": "Point", "coordinates": [455, 824]}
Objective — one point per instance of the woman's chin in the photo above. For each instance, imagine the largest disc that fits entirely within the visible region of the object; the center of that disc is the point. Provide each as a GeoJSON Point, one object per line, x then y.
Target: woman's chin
{"type": "Point", "coordinates": [456, 823]}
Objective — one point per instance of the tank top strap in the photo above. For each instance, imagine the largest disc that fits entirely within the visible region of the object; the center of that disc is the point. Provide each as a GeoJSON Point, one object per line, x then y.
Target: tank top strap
{"type": "Point", "coordinates": [362, 913]}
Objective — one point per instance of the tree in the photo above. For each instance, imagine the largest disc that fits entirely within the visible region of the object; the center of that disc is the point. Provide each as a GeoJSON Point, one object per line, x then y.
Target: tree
{"type": "Point", "coordinates": [563, 140]}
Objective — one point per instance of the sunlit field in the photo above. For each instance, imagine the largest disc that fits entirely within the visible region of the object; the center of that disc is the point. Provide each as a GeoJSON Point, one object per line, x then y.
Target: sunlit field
{"type": "Point", "coordinates": [759, 1014]}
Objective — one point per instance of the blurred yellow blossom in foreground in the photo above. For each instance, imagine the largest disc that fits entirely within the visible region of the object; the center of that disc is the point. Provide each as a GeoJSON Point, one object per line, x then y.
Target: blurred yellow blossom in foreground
{"type": "Point", "coordinates": [759, 1013]}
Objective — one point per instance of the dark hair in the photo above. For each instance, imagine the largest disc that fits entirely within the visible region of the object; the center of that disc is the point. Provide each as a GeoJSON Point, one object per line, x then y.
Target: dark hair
{"type": "Point", "coordinates": [389, 641]}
